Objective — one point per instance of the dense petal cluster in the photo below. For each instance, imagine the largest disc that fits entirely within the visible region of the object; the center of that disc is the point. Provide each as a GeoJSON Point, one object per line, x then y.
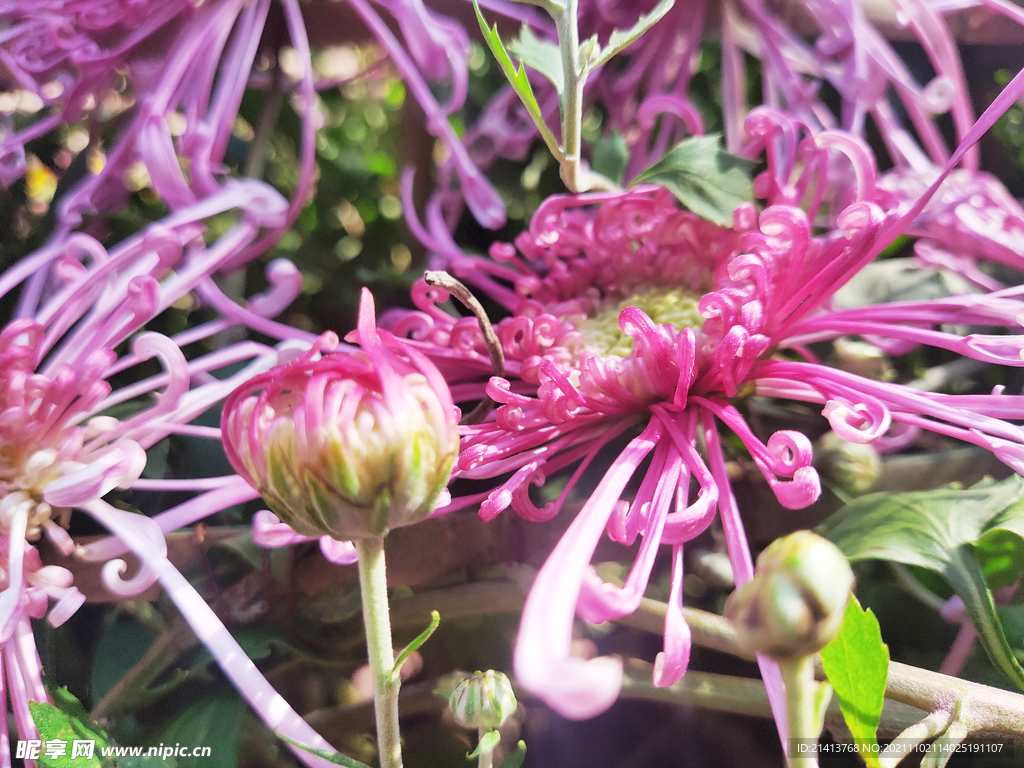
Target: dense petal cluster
{"type": "Point", "coordinates": [346, 445]}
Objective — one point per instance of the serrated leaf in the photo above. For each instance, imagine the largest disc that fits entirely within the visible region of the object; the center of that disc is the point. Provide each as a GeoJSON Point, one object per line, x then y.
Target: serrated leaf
{"type": "Point", "coordinates": [543, 56]}
{"type": "Point", "coordinates": [856, 664]}
{"type": "Point", "coordinates": [515, 758]}
{"type": "Point", "coordinates": [703, 177]}
{"type": "Point", "coordinates": [487, 743]}
{"type": "Point", "coordinates": [518, 79]}
{"type": "Point", "coordinates": [609, 156]}
{"type": "Point", "coordinates": [620, 39]}
{"type": "Point", "coordinates": [57, 726]}
{"type": "Point", "coordinates": [936, 530]}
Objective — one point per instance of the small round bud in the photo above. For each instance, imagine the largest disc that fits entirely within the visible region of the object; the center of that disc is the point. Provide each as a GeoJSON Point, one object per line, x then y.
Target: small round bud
{"type": "Point", "coordinates": [855, 467]}
{"type": "Point", "coordinates": [794, 605]}
{"type": "Point", "coordinates": [347, 444]}
{"type": "Point", "coordinates": [862, 358]}
{"type": "Point", "coordinates": [483, 700]}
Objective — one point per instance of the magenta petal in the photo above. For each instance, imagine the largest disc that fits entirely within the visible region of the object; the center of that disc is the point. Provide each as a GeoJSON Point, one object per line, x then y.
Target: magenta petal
{"type": "Point", "coordinates": [339, 552]}
{"type": "Point", "coordinates": [573, 687]}
{"type": "Point", "coordinates": [671, 663]}
{"type": "Point", "coordinates": [268, 531]}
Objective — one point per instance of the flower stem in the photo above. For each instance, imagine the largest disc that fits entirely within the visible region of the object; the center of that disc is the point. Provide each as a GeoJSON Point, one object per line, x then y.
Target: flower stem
{"type": "Point", "coordinates": [801, 707]}
{"type": "Point", "coordinates": [374, 586]}
{"type": "Point", "coordinates": [486, 759]}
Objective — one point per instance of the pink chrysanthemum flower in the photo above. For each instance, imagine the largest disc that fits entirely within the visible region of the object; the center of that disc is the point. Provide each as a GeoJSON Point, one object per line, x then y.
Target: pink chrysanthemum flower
{"type": "Point", "coordinates": [630, 315]}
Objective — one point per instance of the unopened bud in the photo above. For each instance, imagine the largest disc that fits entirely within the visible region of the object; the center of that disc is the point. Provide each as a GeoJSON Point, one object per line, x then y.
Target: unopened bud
{"type": "Point", "coordinates": [795, 602]}
{"type": "Point", "coordinates": [483, 700]}
{"type": "Point", "coordinates": [862, 358]}
{"type": "Point", "coordinates": [348, 444]}
{"type": "Point", "coordinates": [855, 467]}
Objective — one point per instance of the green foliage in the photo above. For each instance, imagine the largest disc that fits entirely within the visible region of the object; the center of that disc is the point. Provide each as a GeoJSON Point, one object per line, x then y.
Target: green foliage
{"type": "Point", "coordinates": [938, 530]}
{"type": "Point", "coordinates": [515, 758]}
{"type": "Point", "coordinates": [213, 720]}
{"type": "Point", "coordinates": [487, 743]}
{"type": "Point", "coordinates": [609, 156]}
{"type": "Point", "coordinates": [518, 79]}
{"type": "Point", "coordinates": [620, 39]}
{"type": "Point", "coordinates": [57, 725]}
{"type": "Point", "coordinates": [414, 645]}
{"type": "Point", "coordinates": [856, 664]}
{"type": "Point", "coordinates": [67, 721]}
{"type": "Point", "coordinates": [121, 645]}
{"type": "Point", "coordinates": [542, 55]}
{"type": "Point", "coordinates": [335, 757]}
{"type": "Point", "coordinates": [704, 177]}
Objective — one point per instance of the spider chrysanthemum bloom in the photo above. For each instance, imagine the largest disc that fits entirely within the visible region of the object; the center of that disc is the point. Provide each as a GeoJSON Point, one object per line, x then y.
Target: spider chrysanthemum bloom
{"type": "Point", "coordinates": [632, 317]}
{"type": "Point", "coordinates": [349, 445]}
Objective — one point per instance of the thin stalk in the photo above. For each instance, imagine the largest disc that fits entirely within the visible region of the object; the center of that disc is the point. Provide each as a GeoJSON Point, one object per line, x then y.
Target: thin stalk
{"type": "Point", "coordinates": [801, 708]}
{"type": "Point", "coordinates": [136, 681]}
{"type": "Point", "coordinates": [374, 586]}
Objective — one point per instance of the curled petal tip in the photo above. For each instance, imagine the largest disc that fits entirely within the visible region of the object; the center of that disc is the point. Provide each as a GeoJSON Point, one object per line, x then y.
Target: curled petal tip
{"type": "Point", "coordinates": [577, 689]}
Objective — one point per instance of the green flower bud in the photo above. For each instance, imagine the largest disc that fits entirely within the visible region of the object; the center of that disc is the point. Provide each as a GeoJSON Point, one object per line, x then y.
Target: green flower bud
{"type": "Point", "coordinates": [855, 467]}
{"type": "Point", "coordinates": [483, 700]}
{"type": "Point", "coordinates": [863, 359]}
{"type": "Point", "coordinates": [794, 605]}
{"type": "Point", "coordinates": [347, 445]}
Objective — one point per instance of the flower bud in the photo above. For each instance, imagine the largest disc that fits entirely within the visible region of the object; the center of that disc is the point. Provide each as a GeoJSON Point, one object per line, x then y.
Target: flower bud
{"type": "Point", "coordinates": [863, 359]}
{"type": "Point", "coordinates": [483, 700]}
{"type": "Point", "coordinates": [794, 604]}
{"type": "Point", "coordinates": [347, 444]}
{"type": "Point", "coordinates": [854, 467]}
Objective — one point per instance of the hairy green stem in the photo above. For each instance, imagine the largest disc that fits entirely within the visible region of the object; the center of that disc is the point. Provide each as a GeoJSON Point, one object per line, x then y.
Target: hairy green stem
{"type": "Point", "coordinates": [374, 586]}
{"type": "Point", "coordinates": [572, 97]}
{"type": "Point", "coordinates": [801, 708]}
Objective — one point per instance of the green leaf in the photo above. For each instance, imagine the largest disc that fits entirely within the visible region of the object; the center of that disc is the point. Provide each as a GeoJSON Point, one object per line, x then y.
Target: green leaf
{"type": "Point", "coordinates": [542, 55]}
{"type": "Point", "coordinates": [487, 743]}
{"type": "Point", "coordinates": [122, 644]}
{"type": "Point", "coordinates": [609, 156]}
{"type": "Point", "coordinates": [619, 39]}
{"type": "Point", "coordinates": [856, 664]}
{"type": "Point", "coordinates": [420, 639]}
{"type": "Point", "coordinates": [936, 530]}
{"type": "Point", "coordinates": [1012, 619]}
{"type": "Point", "coordinates": [214, 721]}
{"type": "Point", "coordinates": [704, 177]}
{"type": "Point", "coordinates": [519, 81]}
{"type": "Point", "coordinates": [335, 757]}
{"type": "Point", "coordinates": [57, 726]}
{"type": "Point", "coordinates": [515, 758]}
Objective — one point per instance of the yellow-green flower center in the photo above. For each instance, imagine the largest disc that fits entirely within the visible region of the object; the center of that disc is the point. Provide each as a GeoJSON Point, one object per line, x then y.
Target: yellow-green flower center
{"type": "Point", "coordinates": [665, 306]}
